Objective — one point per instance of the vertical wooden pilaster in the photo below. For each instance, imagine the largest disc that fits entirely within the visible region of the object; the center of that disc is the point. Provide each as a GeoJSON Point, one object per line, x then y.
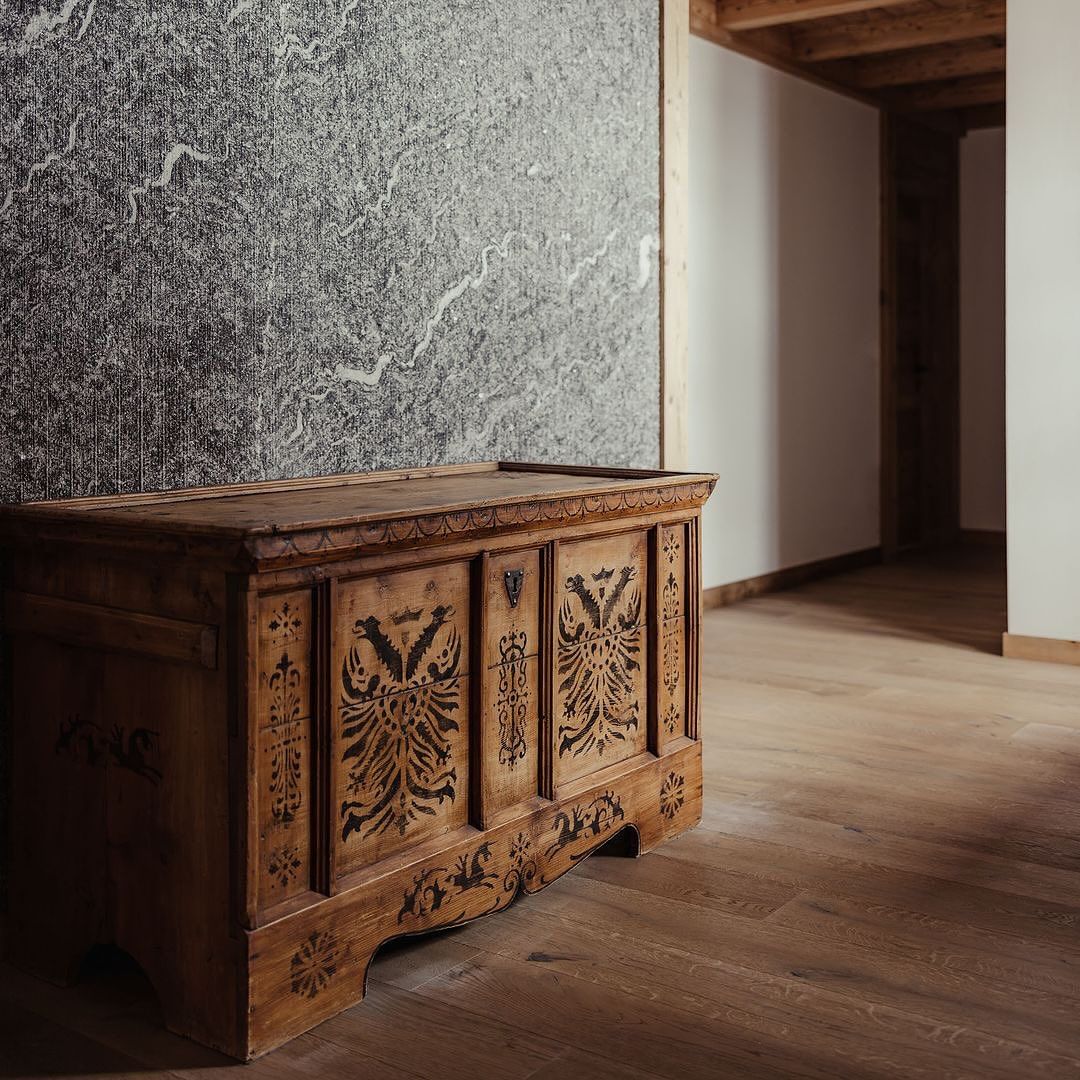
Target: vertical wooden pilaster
{"type": "Point", "coordinates": [477, 686]}
{"type": "Point", "coordinates": [549, 561]}
{"type": "Point", "coordinates": [654, 643]}
{"type": "Point", "coordinates": [323, 848]}
{"type": "Point", "coordinates": [241, 657]}
{"type": "Point", "coordinates": [695, 602]}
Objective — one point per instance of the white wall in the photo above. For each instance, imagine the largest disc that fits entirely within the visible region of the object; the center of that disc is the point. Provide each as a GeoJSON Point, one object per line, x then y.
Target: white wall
{"type": "Point", "coordinates": [784, 316]}
{"type": "Point", "coordinates": [1043, 331]}
{"type": "Point", "coordinates": [982, 331]}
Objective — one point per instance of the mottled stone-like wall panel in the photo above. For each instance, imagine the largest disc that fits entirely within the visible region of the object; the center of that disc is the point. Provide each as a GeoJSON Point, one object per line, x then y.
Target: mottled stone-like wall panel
{"type": "Point", "coordinates": [246, 240]}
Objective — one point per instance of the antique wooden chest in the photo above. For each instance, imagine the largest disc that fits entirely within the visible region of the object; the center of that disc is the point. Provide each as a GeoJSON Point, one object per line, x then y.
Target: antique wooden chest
{"type": "Point", "coordinates": [257, 732]}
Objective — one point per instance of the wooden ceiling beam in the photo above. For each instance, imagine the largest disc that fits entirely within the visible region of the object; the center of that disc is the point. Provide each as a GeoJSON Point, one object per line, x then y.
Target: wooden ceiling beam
{"type": "Point", "coordinates": [893, 31]}
{"type": "Point", "coordinates": [775, 44]}
{"type": "Point", "coordinates": [753, 14]}
{"type": "Point", "coordinates": [769, 45]}
{"type": "Point", "coordinates": [983, 56]}
{"type": "Point", "coordinates": [949, 94]}
{"type": "Point", "coordinates": [945, 64]}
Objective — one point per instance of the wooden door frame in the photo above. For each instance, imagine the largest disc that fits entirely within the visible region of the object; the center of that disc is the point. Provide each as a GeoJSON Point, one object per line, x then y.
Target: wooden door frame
{"type": "Point", "coordinates": [674, 233]}
{"type": "Point", "coordinates": [888, 395]}
{"type": "Point", "coordinates": [888, 485]}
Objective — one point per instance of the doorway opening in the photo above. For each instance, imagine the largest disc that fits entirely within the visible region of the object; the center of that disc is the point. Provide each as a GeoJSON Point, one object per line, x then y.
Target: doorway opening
{"type": "Point", "coordinates": [930, 88]}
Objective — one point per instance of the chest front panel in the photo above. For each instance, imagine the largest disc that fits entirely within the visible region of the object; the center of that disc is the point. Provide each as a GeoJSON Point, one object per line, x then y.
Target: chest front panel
{"type": "Point", "coordinates": [400, 681]}
{"type": "Point", "coordinates": [458, 693]}
{"type": "Point", "coordinates": [601, 707]}
{"type": "Point", "coordinates": [511, 679]}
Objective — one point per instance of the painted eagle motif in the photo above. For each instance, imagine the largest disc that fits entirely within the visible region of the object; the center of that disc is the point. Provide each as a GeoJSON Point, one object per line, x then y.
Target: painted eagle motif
{"type": "Point", "coordinates": [599, 648]}
{"type": "Point", "coordinates": [398, 717]}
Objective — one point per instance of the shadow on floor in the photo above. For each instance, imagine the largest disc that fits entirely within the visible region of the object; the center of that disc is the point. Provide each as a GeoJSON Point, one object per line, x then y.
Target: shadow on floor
{"type": "Point", "coordinates": [955, 594]}
{"type": "Point", "coordinates": [108, 1023]}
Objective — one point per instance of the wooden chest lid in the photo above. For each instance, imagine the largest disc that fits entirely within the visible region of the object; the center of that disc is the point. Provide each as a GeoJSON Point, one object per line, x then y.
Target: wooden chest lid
{"type": "Point", "coordinates": [284, 522]}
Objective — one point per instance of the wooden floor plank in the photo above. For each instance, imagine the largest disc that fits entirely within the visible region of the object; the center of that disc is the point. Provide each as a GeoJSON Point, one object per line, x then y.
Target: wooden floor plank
{"type": "Point", "coordinates": [424, 1038]}
{"type": "Point", "coordinates": [405, 966]}
{"type": "Point", "coordinates": [891, 930]}
{"type": "Point", "coordinates": [995, 922]}
{"type": "Point", "coordinates": [308, 1057]}
{"type": "Point", "coordinates": [32, 1046]}
{"type": "Point", "coordinates": [983, 829]}
{"type": "Point", "coordinates": [915, 984]}
{"type": "Point", "coordinates": [759, 1005]}
{"type": "Point", "coordinates": [746, 894]}
{"type": "Point", "coordinates": [1057, 740]}
{"type": "Point", "coordinates": [578, 1065]}
{"type": "Point", "coordinates": [601, 1017]}
{"type": "Point", "coordinates": [807, 854]}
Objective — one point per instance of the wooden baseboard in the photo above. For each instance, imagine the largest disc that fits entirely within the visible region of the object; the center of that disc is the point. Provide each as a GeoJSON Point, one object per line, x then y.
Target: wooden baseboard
{"type": "Point", "coordinates": [789, 578]}
{"type": "Point", "coordinates": [983, 537]}
{"type": "Point", "coordinates": [1046, 650]}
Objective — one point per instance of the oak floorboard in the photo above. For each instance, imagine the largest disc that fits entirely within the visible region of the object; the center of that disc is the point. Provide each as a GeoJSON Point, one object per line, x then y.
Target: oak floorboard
{"type": "Point", "coordinates": [405, 966]}
{"type": "Point", "coordinates": [111, 1011]}
{"type": "Point", "coordinates": [946, 894]}
{"type": "Point", "coordinates": [602, 1017]}
{"type": "Point", "coordinates": [32, 1046]}
{"type": "Point", "coordinates": [886, 884]}
{"type": "Point", "coordinates": [1056, 740]}
{"type": "Point", "coordinates": [425, 1038]}
{"type": "Point", "coordinates": [577, 1065]}
{"type": "Point", "coordinates": [980, 828]}
{"type": "Point", "coordinates": [894, 731]}
{"type": "Point", "coordinates": [1051, 807]}
{"type": "Point", "coordinates": [807, 839]}
{"type": "Point", "coordinates": [745, 894]}
{"type": "Point", "coordinates": [916, 984]}
{"type": "Point", "coordinates": [891, 930]}
{"type": "Point", "coordinates": [759, 1004]}
{"type": "Point", "coordinates": [308, 1056]}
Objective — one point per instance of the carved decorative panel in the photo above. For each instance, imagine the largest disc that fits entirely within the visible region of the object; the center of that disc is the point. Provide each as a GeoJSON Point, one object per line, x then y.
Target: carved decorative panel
{"type": "Point", "coordinates": [671, 574]}
{"type": "Point", "coordinates": [511, 683]}
{"type": "Point", "coordinates": [400, 690]}
{"type": "Point", "coordinates": [600, 701]}
{"type": "Point", "coordinates": [672, 628]}
{"type": "Point", "coordinates": [284, 746]}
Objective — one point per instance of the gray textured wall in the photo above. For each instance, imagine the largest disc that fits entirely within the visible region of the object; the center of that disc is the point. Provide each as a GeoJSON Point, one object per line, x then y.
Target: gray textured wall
{"type": "Point", "coordinates": [243, 240]}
